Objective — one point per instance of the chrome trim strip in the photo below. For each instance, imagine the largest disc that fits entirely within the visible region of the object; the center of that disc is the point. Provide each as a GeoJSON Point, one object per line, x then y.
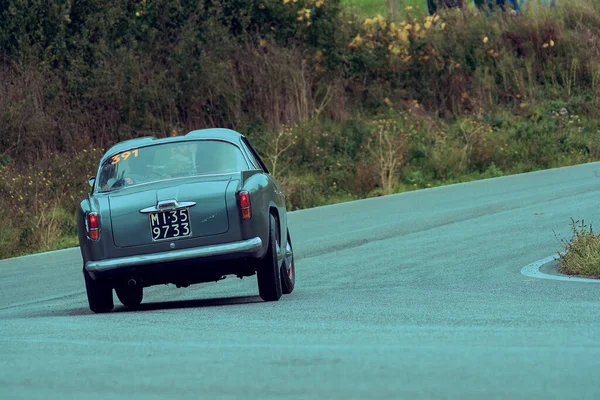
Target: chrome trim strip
{"type": "Point", "coordinates": [243, 247]}
{"type": "Point", "coordinates": [168, 205]}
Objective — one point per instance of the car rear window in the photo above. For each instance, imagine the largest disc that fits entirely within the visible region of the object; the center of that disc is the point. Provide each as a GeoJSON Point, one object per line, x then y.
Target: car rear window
{"type": "Point", "coordinates": [169, 161]}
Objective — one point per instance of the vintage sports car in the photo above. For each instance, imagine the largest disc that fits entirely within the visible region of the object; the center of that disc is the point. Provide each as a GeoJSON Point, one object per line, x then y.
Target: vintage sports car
{"type": "Point", "coordinates": [183, 210]}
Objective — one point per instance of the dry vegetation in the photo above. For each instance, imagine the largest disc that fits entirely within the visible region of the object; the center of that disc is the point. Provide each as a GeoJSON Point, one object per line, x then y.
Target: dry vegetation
{"type": "Point", "coordinates": [582, 252]}
{"type": "Point", "coordinates": [340, 105]}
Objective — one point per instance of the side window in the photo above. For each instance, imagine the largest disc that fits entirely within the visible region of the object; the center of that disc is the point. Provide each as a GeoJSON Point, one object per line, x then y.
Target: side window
{"type": "Point", "coordinates": [254, 157]}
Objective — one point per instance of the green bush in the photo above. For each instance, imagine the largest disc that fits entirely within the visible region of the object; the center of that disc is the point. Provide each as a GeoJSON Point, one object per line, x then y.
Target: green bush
{"type": "Point", "coordinates": [581, 255]}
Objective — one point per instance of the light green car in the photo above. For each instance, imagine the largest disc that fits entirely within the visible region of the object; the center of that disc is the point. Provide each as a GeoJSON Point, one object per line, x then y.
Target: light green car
{"type": "Point", "coordinates": [183, 210]}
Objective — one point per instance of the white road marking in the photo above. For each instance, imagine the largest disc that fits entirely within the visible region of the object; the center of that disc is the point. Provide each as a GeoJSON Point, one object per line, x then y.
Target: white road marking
{"type": "Point", "coordinates": [533, 270]}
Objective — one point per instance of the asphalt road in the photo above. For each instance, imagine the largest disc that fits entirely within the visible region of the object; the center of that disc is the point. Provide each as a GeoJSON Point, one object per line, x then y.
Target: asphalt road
{"type": "Point", "coordinates": [417, 295]}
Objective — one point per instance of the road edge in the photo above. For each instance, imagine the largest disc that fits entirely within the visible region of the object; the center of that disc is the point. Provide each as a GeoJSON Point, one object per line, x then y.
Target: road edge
{"type": "Point", "coordinates": [533, 270]}
{"type": "Point", "coordinates": [44, 253]}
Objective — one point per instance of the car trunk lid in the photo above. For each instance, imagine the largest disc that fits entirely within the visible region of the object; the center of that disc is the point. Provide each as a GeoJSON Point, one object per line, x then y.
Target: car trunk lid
{"type": "Point", "coordinates": [132, 212]}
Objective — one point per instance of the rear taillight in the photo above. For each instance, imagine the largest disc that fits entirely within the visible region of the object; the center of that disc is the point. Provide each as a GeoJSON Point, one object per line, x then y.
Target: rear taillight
{"type": "Point", "coordinates": [93, 226]}
{"type": "Point", "coordinates": [244, 200]}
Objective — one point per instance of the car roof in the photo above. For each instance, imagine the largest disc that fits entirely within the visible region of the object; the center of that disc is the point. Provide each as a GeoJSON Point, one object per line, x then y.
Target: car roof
{"type": "Point", "coordinates": [211, 133]}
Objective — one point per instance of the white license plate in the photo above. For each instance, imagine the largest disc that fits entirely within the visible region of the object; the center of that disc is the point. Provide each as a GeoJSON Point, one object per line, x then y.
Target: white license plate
{"type": "Point", "coordinates": [170, 224]}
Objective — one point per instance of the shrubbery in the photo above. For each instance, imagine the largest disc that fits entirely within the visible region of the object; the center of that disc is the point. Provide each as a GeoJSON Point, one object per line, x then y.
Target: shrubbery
{"type": "Point", "coordinates": [581, 255]}
{"type": "Point", "coordinates": [341, 106]}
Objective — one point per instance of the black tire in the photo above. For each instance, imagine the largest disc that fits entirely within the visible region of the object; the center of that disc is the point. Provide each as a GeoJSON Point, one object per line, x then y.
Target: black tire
{"type": "Point", "coordinates": [99, 294]}
{"type": "Point", "coordinates": [130, 297]}
{"type": "Point", "coordinates": [288, 269]}
{"type": "Point", "coordinates": [268, 271]}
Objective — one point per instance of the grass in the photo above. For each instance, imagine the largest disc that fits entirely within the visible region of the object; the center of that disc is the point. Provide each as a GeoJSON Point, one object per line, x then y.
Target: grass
{"type": "Point", "coordinates": [371, 8]}
{"type": "Point", "coordinates": [582, 252]}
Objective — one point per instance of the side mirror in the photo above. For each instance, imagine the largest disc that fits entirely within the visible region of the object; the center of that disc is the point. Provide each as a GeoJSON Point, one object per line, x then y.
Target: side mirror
{"type": "Point", "coordinates": [91, 181]}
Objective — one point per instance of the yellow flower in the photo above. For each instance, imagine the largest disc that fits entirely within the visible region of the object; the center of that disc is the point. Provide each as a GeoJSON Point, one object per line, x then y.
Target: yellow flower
{"type": "Point", "coordinates": [408, 8]}
{"type": "Point", "coordinates": [427, 24]}
{"type": "Point", "coordinates": [485, 40]}
{"type": "Point", "coordinates": [403, 36]}
{"type": "Point", "coordinates": [318, 55]}
{"type": "Point", "coordinates": [319, 3]}
{"type": "Point", "coordinates": [551, 43]}
{"type": "Point", "coordinates": [356, 41]}
{"type": "Point", "coordinates": [286, 1]}
{"type": "Point", "coordinates": [395, 50]}
{"type": "Point", "coordinates": [545, 45]}
{"type": "Point", "coordinates": [443, 25]}
{"type": "Point", "coordinates": [262, 43]}
{"type": "Point", "coordinates": [388, 102]}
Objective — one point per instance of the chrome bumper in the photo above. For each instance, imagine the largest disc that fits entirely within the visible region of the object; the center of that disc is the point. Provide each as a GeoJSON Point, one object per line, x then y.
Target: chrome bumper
{"type": "Point", "coordinates": [240, 248]}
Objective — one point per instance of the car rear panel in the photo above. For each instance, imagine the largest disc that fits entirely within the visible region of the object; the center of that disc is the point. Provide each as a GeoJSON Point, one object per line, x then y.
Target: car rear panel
{"type": "Point", "coordinates": [208, 217]}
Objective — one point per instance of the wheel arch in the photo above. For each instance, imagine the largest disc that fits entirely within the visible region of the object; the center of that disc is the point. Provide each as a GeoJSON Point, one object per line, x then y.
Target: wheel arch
{"type": "Point", "coordinates": [275, 213]}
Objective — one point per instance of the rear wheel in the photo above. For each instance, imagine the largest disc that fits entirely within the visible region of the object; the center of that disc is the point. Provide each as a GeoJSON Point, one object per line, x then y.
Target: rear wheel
{"type": "Point", "coordinates": [288, 269]}
{"type": "Point", "coordinates": [268, 272]}
{"type": "Point", "coordinates": [130, 293]}
{"type": "Point", "coordinates": [99, 294]}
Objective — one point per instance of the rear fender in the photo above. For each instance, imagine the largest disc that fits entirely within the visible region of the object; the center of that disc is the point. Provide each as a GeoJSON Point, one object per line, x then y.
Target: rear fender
{"type": "Point", "coordinates": [260, 190]}
{"type": "Point", "coordinates": [84, 208]}
{"type": "Point", "coordinates": [91, 250]}
{"type": "Point", "coordinates": [248, 174]}
{"type": "Point", "coordinates": [266, 197]}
